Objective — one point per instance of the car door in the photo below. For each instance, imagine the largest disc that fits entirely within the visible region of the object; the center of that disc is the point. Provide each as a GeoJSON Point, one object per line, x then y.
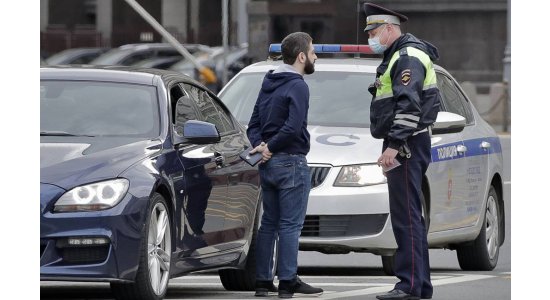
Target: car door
{"type": "Point", "coordinates": [478, 145]}
{"type": "Point", "coordinates": [240, 195]}
{"type": "Point", "coordinates": [243, 180]}
{"type": "Point", "coordinates": [203, 205]}
{"type": "Point", "coordinates": [447, 171]}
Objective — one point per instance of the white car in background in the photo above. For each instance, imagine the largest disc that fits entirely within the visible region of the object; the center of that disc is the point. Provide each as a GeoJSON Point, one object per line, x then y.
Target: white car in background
{"type": "Point", "coordinates": [348, 207]}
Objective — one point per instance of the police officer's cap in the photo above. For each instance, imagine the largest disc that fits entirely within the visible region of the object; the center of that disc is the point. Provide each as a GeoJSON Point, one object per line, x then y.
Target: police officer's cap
{"type": "Point", "coordinates": [378, 15]}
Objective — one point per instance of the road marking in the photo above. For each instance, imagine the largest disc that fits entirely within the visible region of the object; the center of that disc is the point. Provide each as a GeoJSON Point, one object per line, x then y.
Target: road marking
{"type": "Point", "coordinates": [215, 288]}
{"type": "Point", "coordinates": [507, 182]}
{"type": "Point", "coordinates": [382, 289]}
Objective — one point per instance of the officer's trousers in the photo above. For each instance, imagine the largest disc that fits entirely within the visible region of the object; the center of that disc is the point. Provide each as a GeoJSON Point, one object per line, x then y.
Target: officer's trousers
{"type": "Point", "coordinates": [411, 264]}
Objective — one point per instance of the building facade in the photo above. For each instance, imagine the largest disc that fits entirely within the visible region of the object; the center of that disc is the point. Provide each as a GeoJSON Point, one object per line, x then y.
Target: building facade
{"type": "Point", "coordinates": [471, 34]}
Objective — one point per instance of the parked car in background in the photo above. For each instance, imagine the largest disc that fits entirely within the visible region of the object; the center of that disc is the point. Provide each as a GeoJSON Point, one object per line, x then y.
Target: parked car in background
{"type": "Point", "coordinates": [348, 206]}
{"type": "Point", "coordinates": [141, 181]}
{"type": "Point", "coordinates": [158, 62]}
{"type": "Point", "coordinates": [129, 54]}
{"type": "Point", "coordinates": [75, 56]}
{"type": "Point", "coordinates": [236, 59]}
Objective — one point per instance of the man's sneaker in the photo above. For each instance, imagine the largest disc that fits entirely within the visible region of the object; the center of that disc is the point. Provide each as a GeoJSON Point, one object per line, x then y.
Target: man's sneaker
{"type": "Point", "coordinates": [263, 288]}
{"type": "Point", "coordinates": [287, 288]}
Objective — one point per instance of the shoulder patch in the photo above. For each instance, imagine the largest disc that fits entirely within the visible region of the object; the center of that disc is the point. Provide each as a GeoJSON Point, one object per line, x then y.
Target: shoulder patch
{"type": "Point", "coordinates": [406, 76]}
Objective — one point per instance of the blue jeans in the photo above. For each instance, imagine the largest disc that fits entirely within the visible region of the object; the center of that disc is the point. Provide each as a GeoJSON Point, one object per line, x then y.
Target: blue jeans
{"type": "Point", "coordinates": [285, 182]}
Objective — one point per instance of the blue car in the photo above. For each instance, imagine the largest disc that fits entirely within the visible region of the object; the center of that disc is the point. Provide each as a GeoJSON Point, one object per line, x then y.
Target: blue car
{"type": "Point", "coordinates": [141, 181]}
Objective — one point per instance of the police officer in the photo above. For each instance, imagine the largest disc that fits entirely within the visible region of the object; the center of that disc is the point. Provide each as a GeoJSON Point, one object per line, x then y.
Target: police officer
{"type": "Point", "coordinates": [404, 106]}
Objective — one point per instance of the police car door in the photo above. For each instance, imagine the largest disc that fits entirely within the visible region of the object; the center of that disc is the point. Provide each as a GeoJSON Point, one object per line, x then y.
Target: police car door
{"type": "Point", "coordinates": [447, 171]}
{"type": "Point", "coordinates": [477, 145]}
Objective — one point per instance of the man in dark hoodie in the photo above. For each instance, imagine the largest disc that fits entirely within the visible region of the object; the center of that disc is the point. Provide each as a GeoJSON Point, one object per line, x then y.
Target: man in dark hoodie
{"type": "Point", "coordinates": [405, 104]}
{"type": "Point", "coordinates": [278, 129]}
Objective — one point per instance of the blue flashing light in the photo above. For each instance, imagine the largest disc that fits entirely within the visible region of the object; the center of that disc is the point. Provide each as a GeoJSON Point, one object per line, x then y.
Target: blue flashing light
{"type": "Point", "coordinates": [275, 48]}
{"type": "Point", "coordinates": [330, 48]}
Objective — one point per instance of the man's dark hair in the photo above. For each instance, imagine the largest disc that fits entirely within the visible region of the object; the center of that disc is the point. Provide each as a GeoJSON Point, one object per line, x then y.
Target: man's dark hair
{"type": "Point", "coordinates": [293, 44]}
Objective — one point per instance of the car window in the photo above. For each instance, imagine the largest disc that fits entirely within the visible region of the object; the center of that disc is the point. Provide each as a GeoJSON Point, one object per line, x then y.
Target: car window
{"type": "Point", "coordinates": [453, 100]}
{"type": "Point", "coordinates": [339, 99]}
{"type": "Point", "coordinates": [182, 108]}
{"type": "Point", "coordinates": [168, 52]}
{"type": "Point", "coordinates": [136, 57]}
{"type": "Point", "coordinates": [99, 109]}
{"type": "Point", "coordinates": [209, 110]}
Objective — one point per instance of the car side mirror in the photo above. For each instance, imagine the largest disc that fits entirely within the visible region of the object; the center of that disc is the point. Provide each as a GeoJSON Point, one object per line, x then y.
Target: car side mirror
{"type": "Point", "coordinates": [448, 122]}
{"type": "Point", "coordinates": [199, 132]}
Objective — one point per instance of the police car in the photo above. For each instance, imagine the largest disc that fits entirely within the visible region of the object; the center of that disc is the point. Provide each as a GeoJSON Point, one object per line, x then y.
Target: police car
{"type": "Point", "coordinates": [348, 206]}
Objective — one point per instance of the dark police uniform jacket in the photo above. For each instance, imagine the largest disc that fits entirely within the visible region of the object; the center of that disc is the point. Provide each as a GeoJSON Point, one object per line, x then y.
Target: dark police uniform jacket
{"type": "Point", "coordinates": [406, 99]}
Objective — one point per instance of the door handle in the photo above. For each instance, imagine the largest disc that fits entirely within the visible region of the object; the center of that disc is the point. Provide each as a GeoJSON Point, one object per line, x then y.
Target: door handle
{"type": "Point", "coordinates": [461, 149]}
{"type": "Point", "coordinates": [485, 145]}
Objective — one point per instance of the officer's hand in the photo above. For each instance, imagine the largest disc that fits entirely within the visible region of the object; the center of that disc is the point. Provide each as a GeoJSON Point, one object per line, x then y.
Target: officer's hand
{"type": "Point", "coordinates": [387, 158]}
{"type": "Point", "coordinates": [372, 89]}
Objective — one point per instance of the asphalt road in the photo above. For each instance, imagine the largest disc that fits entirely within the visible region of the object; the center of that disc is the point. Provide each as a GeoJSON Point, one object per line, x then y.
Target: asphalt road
{"type": "Point", "coordinates": [349, 276]}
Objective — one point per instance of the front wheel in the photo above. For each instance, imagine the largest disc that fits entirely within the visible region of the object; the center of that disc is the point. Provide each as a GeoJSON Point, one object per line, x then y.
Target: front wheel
{"type": "Point", "coordinates": [387, 264]}
{"type": "Point", "coordinates": [154, 264]}
{"type": "Point", "coordinates": [482, 253]}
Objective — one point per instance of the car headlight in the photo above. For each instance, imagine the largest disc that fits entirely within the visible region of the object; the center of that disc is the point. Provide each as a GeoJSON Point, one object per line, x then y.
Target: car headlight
{"type": "Point", "coordinates": [91, 197]}
{"type": "Point", "coordinates": [360, 175]}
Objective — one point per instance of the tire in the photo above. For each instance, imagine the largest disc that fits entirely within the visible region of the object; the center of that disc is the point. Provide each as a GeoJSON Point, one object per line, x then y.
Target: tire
{"type": "Point", "coordinates": [151, 283]}
{"type": "Point", "coordinates": [389, 260]}
{"type": "Point", "coordinates": [482, 253]}
{"type": "Point", "coordinates": [245, 280]}
{"type": "Point", "coordinates": [387, 265]}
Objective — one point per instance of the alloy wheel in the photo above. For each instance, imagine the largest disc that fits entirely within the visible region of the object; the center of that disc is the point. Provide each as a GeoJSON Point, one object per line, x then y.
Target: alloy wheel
{"type": "Point", "coordinates": [159, 248]}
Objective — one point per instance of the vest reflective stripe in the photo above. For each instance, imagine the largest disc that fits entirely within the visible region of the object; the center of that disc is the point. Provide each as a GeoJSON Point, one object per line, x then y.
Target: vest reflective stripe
{"type": "Point", "coordinates": [406, 123]}
{"type": "Point", "coordinates": [385, 89]}
{"type": "Point", "coordinates": [407, 116]}
{"type": "Point", "coordinates": [429, 86]}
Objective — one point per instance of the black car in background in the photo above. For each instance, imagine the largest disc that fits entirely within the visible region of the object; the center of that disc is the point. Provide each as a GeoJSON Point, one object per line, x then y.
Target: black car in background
{"type": "Point", "coordinates": [141, 181]}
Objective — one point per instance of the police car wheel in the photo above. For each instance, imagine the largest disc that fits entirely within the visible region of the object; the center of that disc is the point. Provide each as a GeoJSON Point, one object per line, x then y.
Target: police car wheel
{"type": "Point", "coordinates": [387, 264]}
{"type": "Point", "coordinates": [482, 253]}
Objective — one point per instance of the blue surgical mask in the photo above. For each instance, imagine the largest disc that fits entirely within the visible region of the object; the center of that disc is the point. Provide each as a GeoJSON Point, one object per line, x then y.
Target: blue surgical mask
{"type": "Point", "coordinates": [375, 45]}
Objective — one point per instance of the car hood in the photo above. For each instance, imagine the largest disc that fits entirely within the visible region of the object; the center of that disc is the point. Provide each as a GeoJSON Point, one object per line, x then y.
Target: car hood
{"type": "Point", "coordinates": [70, 161]}
{"type": "Point", "coordinates": [339, 146]}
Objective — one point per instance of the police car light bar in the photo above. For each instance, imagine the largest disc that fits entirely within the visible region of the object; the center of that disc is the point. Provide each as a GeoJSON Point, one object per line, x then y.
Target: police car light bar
{"type": "Point", "coordinates": [330, 48]}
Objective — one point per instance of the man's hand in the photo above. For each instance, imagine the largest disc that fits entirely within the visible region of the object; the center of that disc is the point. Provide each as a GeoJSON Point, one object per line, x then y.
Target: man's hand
{"type": "Point", "coordinates": [387, 158]}
{"type": "Point", "coordinates": [264, 150]}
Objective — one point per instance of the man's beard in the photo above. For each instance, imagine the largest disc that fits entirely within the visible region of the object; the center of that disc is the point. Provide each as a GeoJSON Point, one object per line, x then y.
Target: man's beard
{"type": "Point", "coordinates": [309, 68]}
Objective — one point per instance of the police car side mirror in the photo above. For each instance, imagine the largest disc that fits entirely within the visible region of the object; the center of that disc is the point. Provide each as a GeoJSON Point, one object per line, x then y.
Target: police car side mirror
{"type": "Point", "coordinates": [448, 122]}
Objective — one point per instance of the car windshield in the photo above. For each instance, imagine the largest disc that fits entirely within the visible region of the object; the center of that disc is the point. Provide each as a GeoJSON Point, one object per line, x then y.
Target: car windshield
{"type": "Point", "coordinates": [90, 108]}
{"type": "Point", "coordinates": [339, 99]}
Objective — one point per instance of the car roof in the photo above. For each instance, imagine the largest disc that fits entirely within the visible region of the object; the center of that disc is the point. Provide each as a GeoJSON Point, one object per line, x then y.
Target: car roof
{"type": "Point", "coordinates": [323, 64]}
{"type": "Point", "coordinates": [124, 74]}
{"type": "Point", "coordinates": [346, 64]}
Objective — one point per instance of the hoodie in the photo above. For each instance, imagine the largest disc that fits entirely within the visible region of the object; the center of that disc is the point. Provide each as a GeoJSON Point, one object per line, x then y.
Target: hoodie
{"type": "Point", "coordinates": [280, 114]}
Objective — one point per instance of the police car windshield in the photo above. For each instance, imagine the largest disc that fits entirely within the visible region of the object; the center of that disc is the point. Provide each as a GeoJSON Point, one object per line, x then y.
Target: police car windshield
{"type": "Point", "coordinates": [338, 99]}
